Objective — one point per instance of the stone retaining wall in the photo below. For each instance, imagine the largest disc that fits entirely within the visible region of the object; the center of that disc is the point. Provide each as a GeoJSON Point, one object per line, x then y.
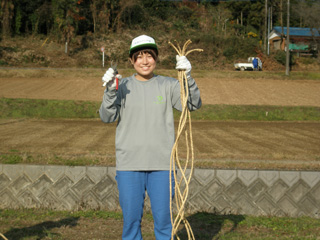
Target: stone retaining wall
{"type": "Point", "coordinates": [252, 192]}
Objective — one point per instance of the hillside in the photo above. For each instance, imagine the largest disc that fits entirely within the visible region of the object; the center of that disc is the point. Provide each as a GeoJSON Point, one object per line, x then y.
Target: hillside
{"type": "Point", "coordinates": [85, 52]}
{"type": "Point", "coordinates": [35, 33]}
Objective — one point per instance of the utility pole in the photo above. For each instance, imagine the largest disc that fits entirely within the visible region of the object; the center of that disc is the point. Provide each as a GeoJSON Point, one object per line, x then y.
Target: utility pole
{"type": "Point", "coordinates": [265, 26]}
{"type": "Point", "coordinates": [269, 20]}
{"type": "Point", "coordinates": [288, 40]}
{"type": "Point", "coordinates": [271, 17]}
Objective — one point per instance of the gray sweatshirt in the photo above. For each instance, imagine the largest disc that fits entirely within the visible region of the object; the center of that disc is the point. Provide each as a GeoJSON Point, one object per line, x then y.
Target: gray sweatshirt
{"type": "Point", "coordinates": [145, 131]}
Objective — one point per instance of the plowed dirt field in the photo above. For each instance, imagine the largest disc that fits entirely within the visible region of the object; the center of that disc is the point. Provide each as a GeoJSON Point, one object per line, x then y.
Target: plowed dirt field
{"type": "Point", "coordinates": [283, 145]}
{"type": "Point", "coordinates": [242, 91]}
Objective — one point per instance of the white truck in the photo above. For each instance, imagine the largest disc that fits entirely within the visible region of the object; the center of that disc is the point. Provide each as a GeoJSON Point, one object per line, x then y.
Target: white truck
{"type": "Point", "coordinates": [248, 66]}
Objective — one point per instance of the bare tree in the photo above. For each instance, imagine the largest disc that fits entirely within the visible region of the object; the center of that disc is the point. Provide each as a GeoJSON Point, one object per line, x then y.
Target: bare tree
{"type": "Point", "coordinates": [281, 22]}
{"type": "Point", "coordinates": [6, 15]}
{"type": "Point", "coordinates": [220, 16]}
{"type": "Point", "coordinates": [124, 5]}
{"type": "Point", "coordinates": [104, 17]}
{"type": "Point", "coordinates": [93, 9]}
{"type": "Point", "coordinates": [308, 13]}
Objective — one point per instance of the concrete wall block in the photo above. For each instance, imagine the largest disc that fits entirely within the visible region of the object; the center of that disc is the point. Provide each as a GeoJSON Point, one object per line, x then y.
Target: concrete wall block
{"type": "Point", "coordinates": [288, 206]}
{"type": "Point", "coordinates": [248, 176]}
{"type": "Point", "coordinates": [96, 174]}
{"type": "Point", "coordinates": [203, 175]}
{"type": "Point", "coordinates": [62, 186]}
{"type": "Point", "coordinates": [90, 201]}
{"type": "Point", "coordinates": [8, 200]}
{"type": "Point", "coordinates": [111, 202]}
{"type": "Point", "coordinates": [309, 206]}
{"type": "Point", "coordinates": [267, 205]}
{"type": "Point", "coordinates": [49, 200]}
{"type": "Point", "coordinates": [226, 176]}
{"type": "Point", "coordinates": [200, 203]}
{"type": "Point", "coordinates": [4, 180]}
{"type": "Point", "coordinates": [269, 177]}
{"type": "Point", "coordinates": [33, 171]}
{"type": "Point", "coordinates": [311, 178]}
{"type": "Point", "coordinates": [235, 189]}
{"type": "Point", "coordinates": [278, 190]}
{"type": "Point", "coordinates": [194, 187]}
{"type": "Point", "coordinates": [214, 188]}
{"type": "Point", "coordinates": [70, 201]}
{"type": "Point", "coordinates": [20, 184]}
{"type": "Point", "coordinates": [290, 177]}
{"type": "Point", "coordinates": [104, 187]}
{"type": "Point", "coordinates": [257, 188]}
{"type": "Point", "coordinates": [41, 184]}
{"type": "Point", "coordinates": [28, 200]}
{"type": "Point", "coordinates": [299, 190]}
{"type": "Point", "coordinates": [75, 173]}
{"type": "Point", "coordinates": [223, 204]}
{"type": "Point", "coordinates": [84, 184]}
{"type": "Point", "coordinates": [315, 191]}
{"type": "Point", "coordinates": [253, 192]}
{"type": "Point", "coordinates": [55, 172]}
{"type": "Point", "coordinates": [12, 171]}
{"type": "Point", "coordinates": [281, 213]}
{"type": "Point", "coordinates": [112, 172]}
{"type": "Point", "coordinates": [245, 205]}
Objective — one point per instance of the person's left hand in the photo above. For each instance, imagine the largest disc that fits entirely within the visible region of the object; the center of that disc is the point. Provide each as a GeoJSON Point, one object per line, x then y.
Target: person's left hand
{"type": "Point", "coordinates": [184, 64]}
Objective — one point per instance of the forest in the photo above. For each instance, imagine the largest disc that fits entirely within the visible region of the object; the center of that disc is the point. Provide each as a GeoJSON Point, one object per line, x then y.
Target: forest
{"type": "Point", "coordinates": [228, 29]}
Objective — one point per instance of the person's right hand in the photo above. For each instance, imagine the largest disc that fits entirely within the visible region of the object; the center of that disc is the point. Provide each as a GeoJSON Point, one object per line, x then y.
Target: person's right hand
{"type": "Point", "coordinates": [109, 79]}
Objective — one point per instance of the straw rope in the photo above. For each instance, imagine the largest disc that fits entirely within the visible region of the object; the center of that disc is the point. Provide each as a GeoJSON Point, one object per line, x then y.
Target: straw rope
{"type": "Point", "coordinates": [176, 166]}
{"type": "Point", "coordinates": [3, 236]}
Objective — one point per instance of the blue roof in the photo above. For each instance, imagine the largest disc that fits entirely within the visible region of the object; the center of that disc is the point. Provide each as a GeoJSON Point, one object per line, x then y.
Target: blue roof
{"type": "Point", "coordinates": [296, 31]}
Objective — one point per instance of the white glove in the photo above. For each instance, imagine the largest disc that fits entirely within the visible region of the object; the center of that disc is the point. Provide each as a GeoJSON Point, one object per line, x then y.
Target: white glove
{"type": "Point", "coordinates": [184, 64]}
{"type": "Point", "coordinates": [110, 78]}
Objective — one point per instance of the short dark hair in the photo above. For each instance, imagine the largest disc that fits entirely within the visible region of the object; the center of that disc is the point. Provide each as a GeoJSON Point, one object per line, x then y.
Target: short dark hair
{"type": "Point", "coordinates": [152, 52]}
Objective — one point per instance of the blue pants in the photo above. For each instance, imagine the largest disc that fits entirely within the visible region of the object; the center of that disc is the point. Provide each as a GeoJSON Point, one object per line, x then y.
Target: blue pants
{"type": "Point", "coordinates": [132, 186]}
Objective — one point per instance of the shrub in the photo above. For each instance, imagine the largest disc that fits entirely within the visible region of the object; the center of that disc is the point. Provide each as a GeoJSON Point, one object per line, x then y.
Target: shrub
{"type": "Point", "coordinates": [237, 47]}
{"type": "Point", "coordinates": [280, 56]}
{"type": "Point", "coordinates": [229, 52]}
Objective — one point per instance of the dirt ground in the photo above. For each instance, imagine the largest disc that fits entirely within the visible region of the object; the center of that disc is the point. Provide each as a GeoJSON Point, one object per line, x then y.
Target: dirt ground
{"type": "Point", "coordinates": [213, 90]}
{"type": "Point", "coordinates": [217, 144]}
{"type": "Point", "coordinates": [240, 144]}
{"type": "Point", "coordinates": [75, 228]}
{"type": "Point", "coordinates": [204, 226]}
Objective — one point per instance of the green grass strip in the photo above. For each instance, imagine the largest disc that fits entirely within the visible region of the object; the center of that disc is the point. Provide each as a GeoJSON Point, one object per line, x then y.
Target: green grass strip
{"type": "Point", "coordinates": [46, 109]}
{"type": "Point", "coordinates": [256, 113]}
{"type": "Point", "coordinates": [39, 108]}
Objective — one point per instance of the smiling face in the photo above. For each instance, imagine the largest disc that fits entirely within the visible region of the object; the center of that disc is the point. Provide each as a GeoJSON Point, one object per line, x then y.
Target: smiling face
{"type": "Point", "coordinates": [144, 62]}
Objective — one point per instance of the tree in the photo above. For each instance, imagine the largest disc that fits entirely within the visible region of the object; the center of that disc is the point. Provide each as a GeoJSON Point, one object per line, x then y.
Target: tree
{"type": "Point", "coordinates": [66, 18]}
{"type": "Point", "coordinates": [6, 15]}
{"type": "Point", "coordinates": [240, 12]}
{"type": "Point", "coordinates": [307, 13]}
{"type": "Point", "coordinates": [221, 15]}
{"type": "Point", "coordinates": [127, 13]}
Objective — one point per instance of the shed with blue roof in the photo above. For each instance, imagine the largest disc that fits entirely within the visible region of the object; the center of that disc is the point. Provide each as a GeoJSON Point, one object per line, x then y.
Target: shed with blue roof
{"type": "Point", "coordinates": [302, 40]}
